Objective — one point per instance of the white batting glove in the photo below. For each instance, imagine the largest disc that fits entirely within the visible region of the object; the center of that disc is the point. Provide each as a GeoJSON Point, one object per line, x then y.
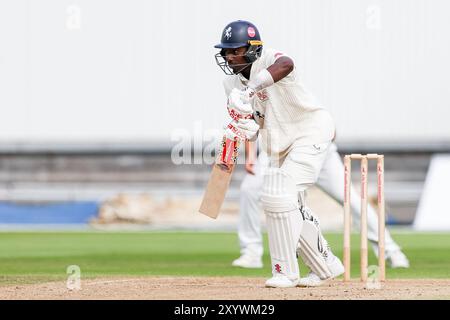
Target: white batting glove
{"type": "Point", "coordinates": [249, 128]}
{"type": "Point", "coordinates": [247, 94]}
{"type": "Point", "coordinates": [237, 107]}
{"type": "Point", "coordinates": [233, 132]}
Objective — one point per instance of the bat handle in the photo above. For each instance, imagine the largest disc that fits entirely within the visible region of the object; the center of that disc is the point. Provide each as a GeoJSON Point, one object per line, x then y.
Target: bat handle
{"type": "Point", "coordinates": [228, 155]}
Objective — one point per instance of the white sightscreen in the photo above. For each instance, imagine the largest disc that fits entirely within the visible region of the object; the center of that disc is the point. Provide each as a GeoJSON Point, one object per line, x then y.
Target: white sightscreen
{"type": "Point", "coordinates": [137, 70]}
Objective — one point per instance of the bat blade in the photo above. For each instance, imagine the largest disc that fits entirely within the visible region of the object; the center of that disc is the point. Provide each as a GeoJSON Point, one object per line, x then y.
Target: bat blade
{"type": "Point", "coordinates": [216, 190]}
{"type": "Point", "coordinates": [220, 178]}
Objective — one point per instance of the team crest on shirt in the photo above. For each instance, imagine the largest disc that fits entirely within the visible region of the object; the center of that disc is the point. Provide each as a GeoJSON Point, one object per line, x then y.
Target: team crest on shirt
{"type": "Point", "coordinates": [228, 33]}
{"type": "Point", "coordinates": [262, 95]}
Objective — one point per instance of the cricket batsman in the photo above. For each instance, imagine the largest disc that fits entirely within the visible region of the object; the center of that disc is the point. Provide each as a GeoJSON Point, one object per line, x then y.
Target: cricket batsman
{"type": "Point", "coordinates": [267, 100]}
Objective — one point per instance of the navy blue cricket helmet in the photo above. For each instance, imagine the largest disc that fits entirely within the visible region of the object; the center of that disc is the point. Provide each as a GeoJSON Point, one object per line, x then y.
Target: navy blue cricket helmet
{"type": "Point", "coordinates": [235, 35]}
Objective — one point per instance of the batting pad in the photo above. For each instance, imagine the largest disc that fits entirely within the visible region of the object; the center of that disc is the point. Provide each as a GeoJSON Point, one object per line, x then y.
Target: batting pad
{"type": "Point", "coordinates": [283, 220]}
{"type": "Point", "coordinates": [313, 248]}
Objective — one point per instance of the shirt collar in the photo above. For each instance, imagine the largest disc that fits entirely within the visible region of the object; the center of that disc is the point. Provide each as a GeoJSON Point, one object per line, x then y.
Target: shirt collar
{"type": "Point", "coordinates": [243, 80]}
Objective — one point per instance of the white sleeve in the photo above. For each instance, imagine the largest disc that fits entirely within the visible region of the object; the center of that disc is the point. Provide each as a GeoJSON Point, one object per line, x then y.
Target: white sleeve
{"type": "Point", "coordinates": [228, 85]}
{"type": "Point", "coordinates": [271, 55]}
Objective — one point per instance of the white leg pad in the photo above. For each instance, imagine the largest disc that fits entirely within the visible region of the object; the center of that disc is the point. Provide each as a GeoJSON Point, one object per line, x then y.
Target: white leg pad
{"type": "Point", "coordinates": [284, 222]}
{"type": "Point", "coordinates": [313, 248]}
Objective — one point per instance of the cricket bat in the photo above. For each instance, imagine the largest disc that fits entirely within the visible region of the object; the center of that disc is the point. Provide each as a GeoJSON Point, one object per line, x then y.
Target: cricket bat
{"type": "Point", "coordinates": [220, 178]}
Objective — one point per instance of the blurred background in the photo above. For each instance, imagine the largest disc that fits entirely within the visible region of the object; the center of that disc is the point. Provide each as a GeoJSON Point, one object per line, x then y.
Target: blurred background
{"type": "Point", "coordinates": [110, 108]}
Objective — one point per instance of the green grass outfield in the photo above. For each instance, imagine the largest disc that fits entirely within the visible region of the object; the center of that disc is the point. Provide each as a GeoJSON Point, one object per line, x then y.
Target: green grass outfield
{"type": "Point", "coordinates": [30, 257]}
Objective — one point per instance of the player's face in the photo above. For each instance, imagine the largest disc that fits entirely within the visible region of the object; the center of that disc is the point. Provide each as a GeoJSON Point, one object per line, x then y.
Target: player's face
{"type": "Point", "coordinates": [235, 58]}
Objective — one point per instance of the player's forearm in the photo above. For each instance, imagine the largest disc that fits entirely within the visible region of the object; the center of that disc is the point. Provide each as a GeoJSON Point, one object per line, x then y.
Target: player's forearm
{"type": "Point", "coordinates": [277, 71]}
{"type": "Point", "coordinates": [281, 68]}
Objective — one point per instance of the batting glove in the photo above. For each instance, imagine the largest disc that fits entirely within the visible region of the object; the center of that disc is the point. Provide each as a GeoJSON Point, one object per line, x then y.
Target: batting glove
{"type": "Point", "coordinates": [249, 128]}
{"type": "Point", "coordinates": [237, 107]}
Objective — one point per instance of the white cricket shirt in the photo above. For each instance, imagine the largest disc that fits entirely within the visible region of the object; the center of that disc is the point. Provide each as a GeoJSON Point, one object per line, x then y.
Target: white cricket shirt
{"type": "Point", "coordinates": [286, 111]}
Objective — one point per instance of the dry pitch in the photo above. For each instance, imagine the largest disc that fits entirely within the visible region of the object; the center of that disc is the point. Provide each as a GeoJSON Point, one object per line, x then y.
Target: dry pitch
{"type": "Point", "coordinates": [226, 288]}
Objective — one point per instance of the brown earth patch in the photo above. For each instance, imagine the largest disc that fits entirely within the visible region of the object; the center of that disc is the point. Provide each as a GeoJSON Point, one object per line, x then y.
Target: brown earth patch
{"type": "Point", "coordinates": [226, 288]}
